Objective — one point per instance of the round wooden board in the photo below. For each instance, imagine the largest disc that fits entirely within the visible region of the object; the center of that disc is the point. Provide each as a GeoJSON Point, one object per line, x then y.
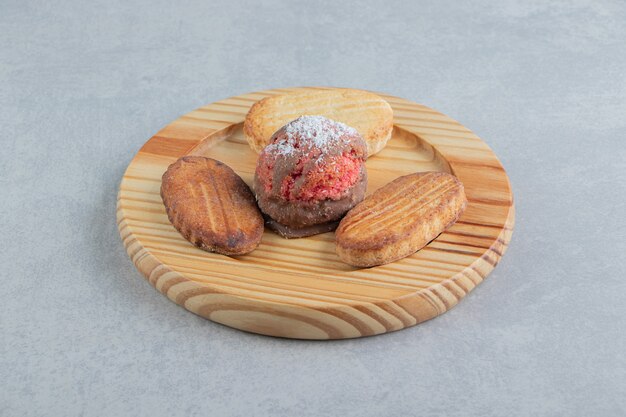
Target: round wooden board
{"type": "Point", "coordinates": [299, 288]}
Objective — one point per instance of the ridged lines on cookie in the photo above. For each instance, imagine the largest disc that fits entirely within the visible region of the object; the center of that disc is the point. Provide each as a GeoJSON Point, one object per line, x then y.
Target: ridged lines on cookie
{"type": "Point", "coordinates": [398, 217]}
{"type": "Point", "coordinates": [218, 203]}
{"type": "Point", "coordinates": [402, 197]}
{"type": "Point", "coordinates": [413, 206]}
{"type": "Point", "coordinates": [230, 207]}
{"type": "Point", "coordinates": [390, 222]}
{"type": "Point", "coordinates": [358, 217]}
{"type": "Point", "coordinates": [206, 205]}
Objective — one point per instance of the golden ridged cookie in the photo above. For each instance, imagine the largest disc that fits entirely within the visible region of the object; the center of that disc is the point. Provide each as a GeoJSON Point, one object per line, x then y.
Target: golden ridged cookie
{"type": "Point", "coordinates": [211, 206]}
{"type": "Point", "coordinates": [400, 218]}
{"type": "Point", "coordinates": [368, 113]}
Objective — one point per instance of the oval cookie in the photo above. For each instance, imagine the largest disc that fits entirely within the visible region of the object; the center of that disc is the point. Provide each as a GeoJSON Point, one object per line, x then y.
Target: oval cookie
{"type": "Point", "coordinates": [367, 112]}
{"type": "Point", "coordinates": [400, 218]}
{"type": "Point", "coordinates": [211, 206]}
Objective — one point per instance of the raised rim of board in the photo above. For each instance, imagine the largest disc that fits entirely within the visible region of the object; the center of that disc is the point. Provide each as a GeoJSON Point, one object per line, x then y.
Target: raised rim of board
{"type": "Point", "coordinates": [490, 207]}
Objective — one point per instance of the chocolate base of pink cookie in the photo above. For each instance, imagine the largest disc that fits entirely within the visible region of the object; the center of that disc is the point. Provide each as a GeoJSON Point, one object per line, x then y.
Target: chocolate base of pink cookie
{"type": "Point", "coordinates": [292, 233]}
{"type": "Point", "coordinates": [300, 214]}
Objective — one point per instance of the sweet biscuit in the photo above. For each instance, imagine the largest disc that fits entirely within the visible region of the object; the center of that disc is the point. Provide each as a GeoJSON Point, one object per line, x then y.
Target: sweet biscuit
{"type": "Point", "coordinates": [368, 113]}
{"type": "Point", "coordinates": [211, 206]}
{"type": "Point", "coordinates": [400, 218]}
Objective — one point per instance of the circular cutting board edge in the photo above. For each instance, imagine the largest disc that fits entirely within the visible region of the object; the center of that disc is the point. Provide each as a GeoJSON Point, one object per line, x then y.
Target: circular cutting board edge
{"type": "Point", "coordinates": [276, 292]}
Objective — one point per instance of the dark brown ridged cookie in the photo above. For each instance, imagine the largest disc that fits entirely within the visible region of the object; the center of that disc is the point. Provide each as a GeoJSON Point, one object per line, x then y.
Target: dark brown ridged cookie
{"type": "Point", "coordinates": [400, 218]}
{"type": "Point", "coordinates": [211, 206]}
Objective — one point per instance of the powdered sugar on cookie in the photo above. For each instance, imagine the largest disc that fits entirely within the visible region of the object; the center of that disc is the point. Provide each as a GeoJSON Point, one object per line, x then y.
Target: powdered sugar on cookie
{"type": "Point", "coordinates": [310, 132]}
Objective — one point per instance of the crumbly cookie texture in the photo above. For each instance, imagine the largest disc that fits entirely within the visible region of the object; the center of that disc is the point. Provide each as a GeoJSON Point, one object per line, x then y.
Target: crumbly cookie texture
{"type": "Point", "coordinates": [311, 173]}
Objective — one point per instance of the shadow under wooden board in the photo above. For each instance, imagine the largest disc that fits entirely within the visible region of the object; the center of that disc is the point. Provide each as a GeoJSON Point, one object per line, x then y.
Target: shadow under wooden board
{"type": "Point", "coordinates": [299, 288]}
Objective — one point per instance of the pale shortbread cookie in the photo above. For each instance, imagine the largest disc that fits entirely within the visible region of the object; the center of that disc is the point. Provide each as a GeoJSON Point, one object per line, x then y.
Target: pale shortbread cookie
{"type": "Point", "coordinates": [368, 113]}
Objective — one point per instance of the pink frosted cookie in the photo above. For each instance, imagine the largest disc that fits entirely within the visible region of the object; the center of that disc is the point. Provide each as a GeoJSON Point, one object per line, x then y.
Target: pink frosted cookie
{"type": "Point", "coordinates": [310, 175]}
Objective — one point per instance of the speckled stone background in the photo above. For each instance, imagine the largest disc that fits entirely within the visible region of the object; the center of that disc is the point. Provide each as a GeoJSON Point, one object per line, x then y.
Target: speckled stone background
{"type": "Point", "coordinates": [84, 84]}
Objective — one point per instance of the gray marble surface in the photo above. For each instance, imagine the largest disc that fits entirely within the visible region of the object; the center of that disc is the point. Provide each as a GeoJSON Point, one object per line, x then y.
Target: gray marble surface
{"type": "Point", "coordinates": [84, 84]}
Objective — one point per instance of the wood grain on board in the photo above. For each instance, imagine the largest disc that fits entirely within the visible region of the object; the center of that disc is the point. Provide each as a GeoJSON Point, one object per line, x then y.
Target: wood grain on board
{"type": "Point", "coordinates": [299, 288]}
